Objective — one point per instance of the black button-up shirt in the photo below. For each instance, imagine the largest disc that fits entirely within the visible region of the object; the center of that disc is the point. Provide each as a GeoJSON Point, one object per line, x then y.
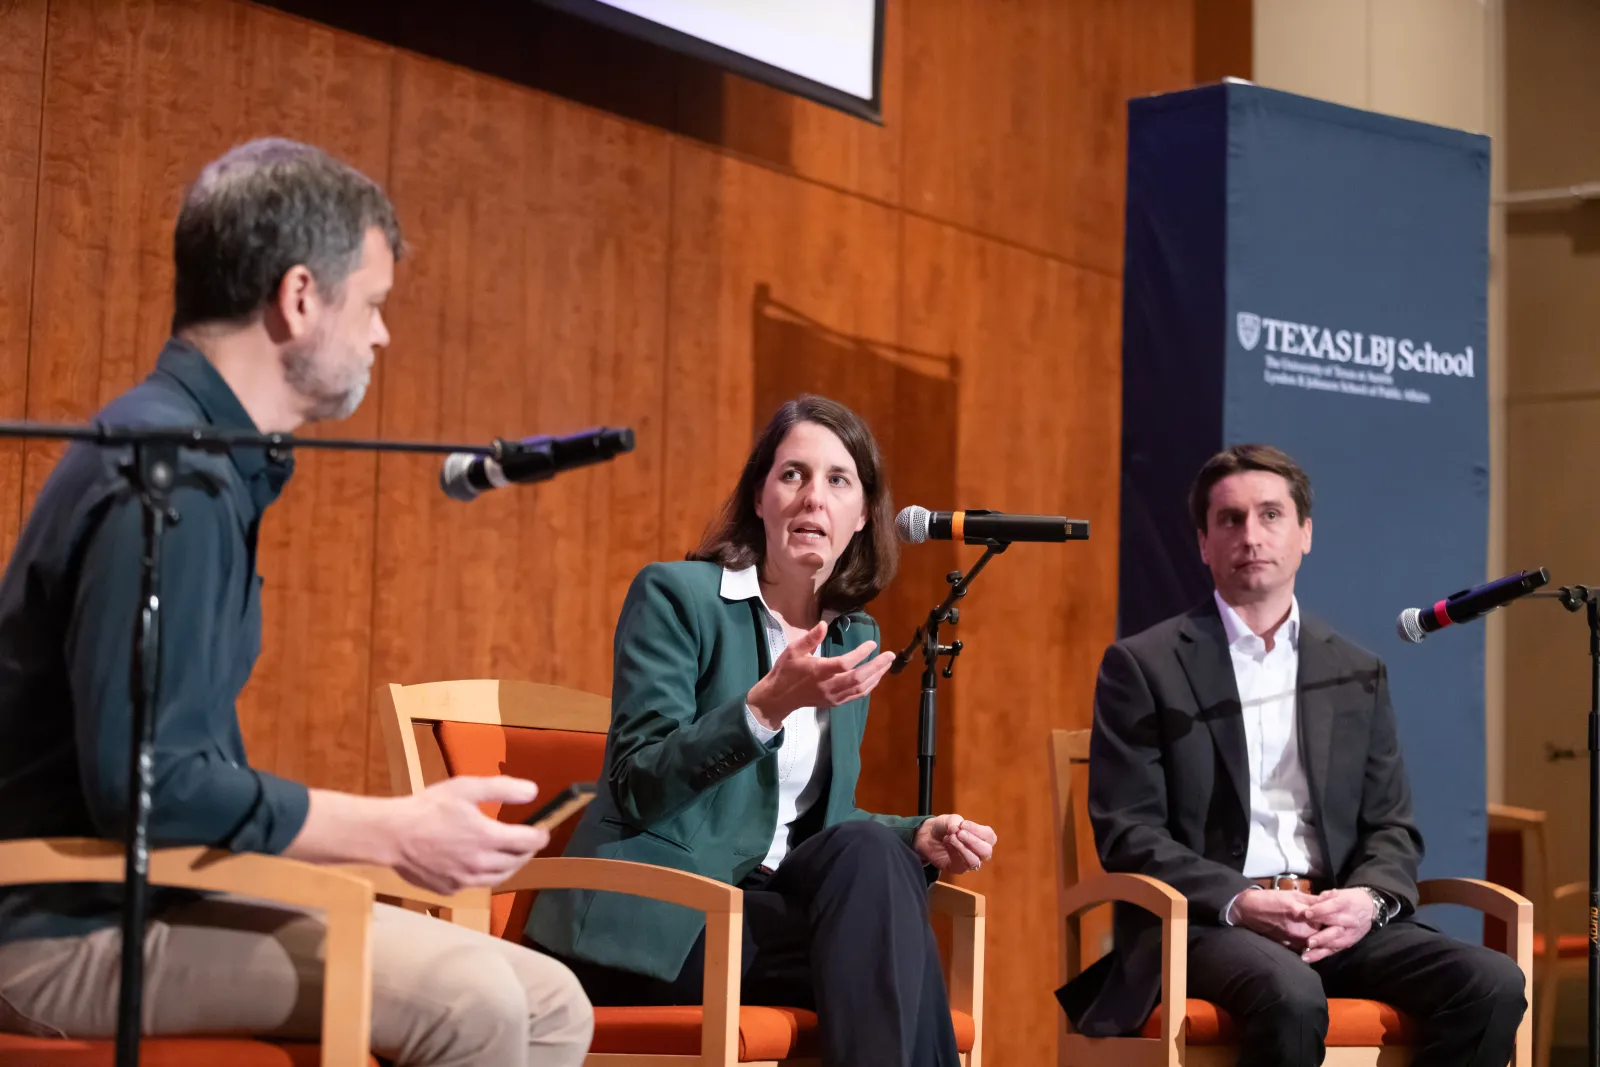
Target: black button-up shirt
{"type": "Point", "coordinates": [69, 606]}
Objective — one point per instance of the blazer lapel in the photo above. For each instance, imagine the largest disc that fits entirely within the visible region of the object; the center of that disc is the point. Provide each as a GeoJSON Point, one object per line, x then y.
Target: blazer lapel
{"type": "Point", "coordinates": [842, 736]}
{"type": "Point", "coordinates": [1203, 652]}
{"type": "Point", "coordinates": [1315, 703]}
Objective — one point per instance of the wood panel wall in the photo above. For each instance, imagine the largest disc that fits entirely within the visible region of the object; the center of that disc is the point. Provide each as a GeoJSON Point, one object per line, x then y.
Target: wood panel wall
{"type": "Point", "coordinates": [603, 233]}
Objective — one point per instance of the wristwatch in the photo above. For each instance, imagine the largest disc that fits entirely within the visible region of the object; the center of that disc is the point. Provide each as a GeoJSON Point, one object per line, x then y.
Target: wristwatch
{"type": "Point", "coordinates": [1380, 907]}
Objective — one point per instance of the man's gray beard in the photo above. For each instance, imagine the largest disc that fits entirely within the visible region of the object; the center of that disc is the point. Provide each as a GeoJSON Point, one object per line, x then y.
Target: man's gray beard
{"type": "Point", "coordinates": [328, 401]}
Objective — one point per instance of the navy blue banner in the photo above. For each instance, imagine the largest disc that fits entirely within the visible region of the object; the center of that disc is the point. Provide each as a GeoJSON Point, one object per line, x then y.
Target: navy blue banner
{"type": "Point", "coordinates": [1315, 277]}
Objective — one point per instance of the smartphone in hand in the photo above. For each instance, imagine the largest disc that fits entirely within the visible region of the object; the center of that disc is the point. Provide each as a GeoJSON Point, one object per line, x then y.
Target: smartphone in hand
{"type": "Point", "coordinates": [563, 806]}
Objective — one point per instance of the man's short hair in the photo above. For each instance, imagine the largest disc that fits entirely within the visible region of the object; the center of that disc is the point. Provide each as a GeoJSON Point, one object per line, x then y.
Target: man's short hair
{"type": "Point", "coordinates": [261, 209]}
{"type": "Point", "coordinates": [1242, 458]}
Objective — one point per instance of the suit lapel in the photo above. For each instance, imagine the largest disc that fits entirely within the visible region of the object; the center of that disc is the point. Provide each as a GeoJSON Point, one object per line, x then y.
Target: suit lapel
{"type": "Point", "coordinates": [1315, 705]}
{"type": "Point", "coordinates": [841, 785]}
{"type": "Point", "coordinates": [1203, 653]}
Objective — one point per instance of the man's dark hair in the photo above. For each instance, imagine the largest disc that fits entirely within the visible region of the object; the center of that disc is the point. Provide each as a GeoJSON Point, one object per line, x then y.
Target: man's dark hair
{"type": "Point", "coordinates": [737, 539]}
{"type": "Point", "coordinates": [259, 210]}
{"type": "Point", "coordinates": [1242, 458]}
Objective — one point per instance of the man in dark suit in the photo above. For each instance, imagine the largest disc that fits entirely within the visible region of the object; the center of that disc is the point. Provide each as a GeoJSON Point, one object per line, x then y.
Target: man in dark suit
{"type": "Point", "coordinates": [1247, 756]}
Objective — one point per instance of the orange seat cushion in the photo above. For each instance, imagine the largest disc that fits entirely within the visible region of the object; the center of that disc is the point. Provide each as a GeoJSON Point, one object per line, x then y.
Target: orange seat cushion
{"type": "Point", "coordinates": [1351, 1024]}
{"type": "Point", "coordinates": [18, 1051]}
{"type": "Point", "coordinates": [553, 758]}
{"type": "Point", "coordinates": [1568, 946]}
{"type": "Point", "coordinates": [764, 1033]}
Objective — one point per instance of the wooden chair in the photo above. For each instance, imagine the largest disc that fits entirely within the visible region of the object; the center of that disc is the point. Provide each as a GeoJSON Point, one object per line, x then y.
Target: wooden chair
{"type": "Point", "coordinates": [1519, 859]}
{"type": "Point", "coordinates": [557, 736]}
{"type": "Point", "coordinates": [345, 897]}
{"type": "Point", "coordinates": [343, 894]}
{"type": "Point", "coordinates": [1196, 1033]}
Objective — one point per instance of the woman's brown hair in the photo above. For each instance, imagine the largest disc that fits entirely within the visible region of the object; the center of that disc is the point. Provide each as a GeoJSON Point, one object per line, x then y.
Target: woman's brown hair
{"type": "Point", "coordinates": [738, 539]}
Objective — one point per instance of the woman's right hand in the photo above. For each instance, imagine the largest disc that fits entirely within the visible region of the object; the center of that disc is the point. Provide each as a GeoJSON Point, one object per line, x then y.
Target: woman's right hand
{"type": "Point", "coordinates": [799, 679]}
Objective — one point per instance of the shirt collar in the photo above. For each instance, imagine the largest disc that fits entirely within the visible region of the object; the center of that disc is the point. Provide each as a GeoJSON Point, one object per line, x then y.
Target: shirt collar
{"type": "Point", "coordinates": [745, 584]}
{"type": "Point", "coordinates": [265, 472]}
{"type": "Point", "coordinates": [1238, 630]}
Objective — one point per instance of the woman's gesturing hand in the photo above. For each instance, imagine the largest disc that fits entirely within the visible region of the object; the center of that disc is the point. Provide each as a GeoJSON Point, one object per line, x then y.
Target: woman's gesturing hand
{"type": "Point", "coordinates": [799, 679]}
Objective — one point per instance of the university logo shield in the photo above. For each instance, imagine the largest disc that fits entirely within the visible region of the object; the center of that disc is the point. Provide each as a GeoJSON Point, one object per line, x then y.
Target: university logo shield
{"type": "Point", "coordinates": [1249, 329]}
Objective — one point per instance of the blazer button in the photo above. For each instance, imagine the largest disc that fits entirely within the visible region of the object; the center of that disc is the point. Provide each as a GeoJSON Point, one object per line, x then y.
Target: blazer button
{"type": "Point", "coordinates": [1238, 850]}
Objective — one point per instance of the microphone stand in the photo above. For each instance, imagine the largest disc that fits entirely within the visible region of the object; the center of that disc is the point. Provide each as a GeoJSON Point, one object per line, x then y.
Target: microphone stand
{"type": "Point", "coordinates": [1574, 597]}
{"type": "Point", "coordinates": [927, 636]}
{"type": "Point", "coordinates": [153, 472]}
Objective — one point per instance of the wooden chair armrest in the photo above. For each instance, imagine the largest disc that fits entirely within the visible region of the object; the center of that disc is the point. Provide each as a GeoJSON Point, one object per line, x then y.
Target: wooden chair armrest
{"type": "Point", "coordinates": [1513, 909]}
{"type": "Point", "coordinates": [1571, 889]}
{"type": "Point", "coordinates": [963, 970]}
{"type": "Point", "coordinates": [385, 882]}
{"type": "Point", "coordinates": [947, 899]}
{"type": "Point", "coordinates": [43, 860]}
{"type": "Point", "coordinates": [1140, 890]}
{"type": "Point", "coordinates": [469, 908]}
{"type": "Point", "coordinates": [1508, 817]}
{"type": "Point", "coordinates": [1495, 900]}
{"type": "Point", "coordinates": [344, 898]}
{"type": "Point", "coordinates": [624, 876]}
{"type": "Point", "coordinates": [723, 905]}
{"type": "Point", "coordinates": [1172, 908]}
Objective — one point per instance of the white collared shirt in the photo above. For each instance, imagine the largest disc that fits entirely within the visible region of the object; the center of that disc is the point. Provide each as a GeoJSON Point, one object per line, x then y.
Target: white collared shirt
{"type": "Point", "coordinates": [803, 758]}
{"type": "Point", "coordinates": [1283, 837]}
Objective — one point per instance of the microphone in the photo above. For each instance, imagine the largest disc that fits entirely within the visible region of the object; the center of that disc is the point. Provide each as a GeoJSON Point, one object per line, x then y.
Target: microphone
{"type": "Point", "coordinates": [1416, 623]}
{"type": "Point", "coordinates": [533, 459]}
{"type": "Point", "coordinates": [916, 525]}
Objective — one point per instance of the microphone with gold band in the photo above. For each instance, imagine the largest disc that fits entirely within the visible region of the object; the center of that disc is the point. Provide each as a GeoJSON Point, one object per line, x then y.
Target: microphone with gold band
{"type": "Point", "coordinates": [980, 527]}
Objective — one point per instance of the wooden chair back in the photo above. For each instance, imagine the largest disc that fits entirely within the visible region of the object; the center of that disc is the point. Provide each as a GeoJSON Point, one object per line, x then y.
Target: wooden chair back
{"type": "Point", "coordinates": [1516, 858]}
{"type": "Point", "coordinates": [545, 733]}
{"type": "Point", "coordinates": [1087, 936]}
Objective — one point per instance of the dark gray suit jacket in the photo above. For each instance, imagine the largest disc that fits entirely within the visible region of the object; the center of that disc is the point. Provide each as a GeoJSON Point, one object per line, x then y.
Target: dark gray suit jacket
{"type": "Point", "coordinates": [1169, 789]}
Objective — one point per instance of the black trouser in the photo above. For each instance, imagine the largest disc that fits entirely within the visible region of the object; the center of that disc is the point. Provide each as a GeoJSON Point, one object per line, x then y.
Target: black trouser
{"type": "Point", "coordinates": [1465, 1000]}
{"type": "Point", "coordinates": [840, 928]}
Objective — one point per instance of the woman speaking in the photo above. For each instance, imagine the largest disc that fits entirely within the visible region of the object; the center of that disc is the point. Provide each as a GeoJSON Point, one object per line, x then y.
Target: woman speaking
{"type": "Point", "coordinates": [739, 699]}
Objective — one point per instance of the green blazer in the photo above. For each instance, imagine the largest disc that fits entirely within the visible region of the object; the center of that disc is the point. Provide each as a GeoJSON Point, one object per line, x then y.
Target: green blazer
{"type": "Point", "coordinates": [686, 783]}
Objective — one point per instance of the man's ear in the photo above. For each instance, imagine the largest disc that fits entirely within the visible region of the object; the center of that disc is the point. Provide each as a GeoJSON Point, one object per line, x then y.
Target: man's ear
{"type": "Point", "coordinates": [292, 314]}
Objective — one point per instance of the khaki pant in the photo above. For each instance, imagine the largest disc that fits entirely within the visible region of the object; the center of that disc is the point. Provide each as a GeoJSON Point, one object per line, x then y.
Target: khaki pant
{"type": "Point", "coordinates": [442, 996]}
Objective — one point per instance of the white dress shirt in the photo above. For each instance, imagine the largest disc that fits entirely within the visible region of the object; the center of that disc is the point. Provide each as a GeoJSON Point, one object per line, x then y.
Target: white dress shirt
{"type": "Point", "coordinates": [1283, 837]}
{"type": "Point", "coordinates": [1283, 830]}
{"type": "Point", "coordinates": [803, 758]}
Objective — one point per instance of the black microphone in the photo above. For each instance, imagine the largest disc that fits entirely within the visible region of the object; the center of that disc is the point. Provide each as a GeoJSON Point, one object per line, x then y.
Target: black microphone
{"type": "Point", "coordinates": [533, 459]}
{"type": "Point", "coordinates": [916, 525]}
{"type": "Point", "coordinates": [1416, 623]}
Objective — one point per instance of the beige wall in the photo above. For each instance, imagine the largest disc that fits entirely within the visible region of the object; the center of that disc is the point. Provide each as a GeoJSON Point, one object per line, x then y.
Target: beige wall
{"type": "Point", "coordinates": [1435, 61]}
{"type": "Point", "coordinates": [1421, 59]}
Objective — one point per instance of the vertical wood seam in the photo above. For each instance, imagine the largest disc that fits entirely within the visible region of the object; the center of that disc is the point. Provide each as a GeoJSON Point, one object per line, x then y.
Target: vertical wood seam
{"type": "Point", "coordinates": [662, 395]}
{"type": "Point", "coordinates": [377, 462]}
{"type": "Point", "coordinates": [33, 270]}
